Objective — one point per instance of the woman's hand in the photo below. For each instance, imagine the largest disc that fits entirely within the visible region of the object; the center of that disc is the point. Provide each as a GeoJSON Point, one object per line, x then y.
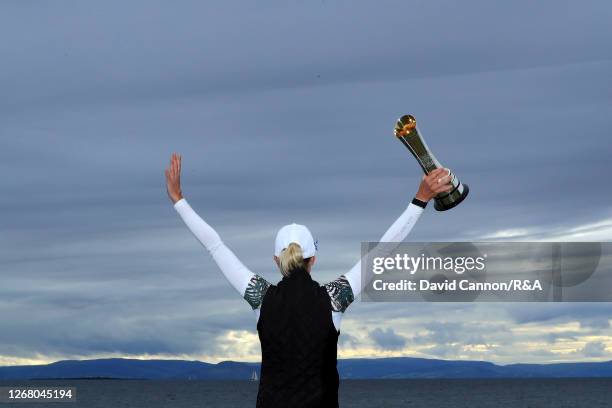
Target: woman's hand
{"type": "Point", "coordinates": [173, 178]}
{"type": "Point", "coordinates": [434, 183]}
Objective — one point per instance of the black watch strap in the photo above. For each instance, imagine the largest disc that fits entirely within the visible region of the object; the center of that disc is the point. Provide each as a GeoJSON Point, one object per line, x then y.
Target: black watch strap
{"type": "Point", "coordinates": [418, 202]}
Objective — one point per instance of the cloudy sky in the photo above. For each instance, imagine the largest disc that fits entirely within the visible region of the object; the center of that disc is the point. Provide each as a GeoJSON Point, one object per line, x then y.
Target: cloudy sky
{"type": "Point", "coordinates": [283, 112]}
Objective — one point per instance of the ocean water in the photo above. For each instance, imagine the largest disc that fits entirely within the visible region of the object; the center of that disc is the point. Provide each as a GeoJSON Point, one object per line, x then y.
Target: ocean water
{"type": "Point", "coordinates": [497, 393]}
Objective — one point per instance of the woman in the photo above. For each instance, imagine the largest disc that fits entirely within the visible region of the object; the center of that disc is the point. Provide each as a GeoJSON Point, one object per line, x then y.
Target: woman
{"type": "Point", "coordinates": [298, 320]}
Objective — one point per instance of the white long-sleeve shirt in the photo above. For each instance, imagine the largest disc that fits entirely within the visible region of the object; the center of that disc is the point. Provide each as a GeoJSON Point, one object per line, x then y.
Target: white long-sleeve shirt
{"type": "Point", "coordinates": [252, 287]}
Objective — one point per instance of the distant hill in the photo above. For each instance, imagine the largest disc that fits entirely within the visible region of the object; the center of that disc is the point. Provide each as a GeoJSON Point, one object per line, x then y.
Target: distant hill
{"type": "Point", "coordinates": [133, 369]}
{"type": "Point", "coordinates": [406, 367]}
{"type": "Point", "coordinates": [377, 368]}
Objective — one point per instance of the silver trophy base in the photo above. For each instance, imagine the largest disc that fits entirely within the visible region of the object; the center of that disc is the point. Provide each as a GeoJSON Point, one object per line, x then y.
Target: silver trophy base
{"type": "Point", "coordinates": [446, 201]}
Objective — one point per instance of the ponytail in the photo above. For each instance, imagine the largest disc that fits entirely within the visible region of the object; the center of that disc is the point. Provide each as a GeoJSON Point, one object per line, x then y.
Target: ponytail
{"type": "Point", "coordinates": [291, 258]}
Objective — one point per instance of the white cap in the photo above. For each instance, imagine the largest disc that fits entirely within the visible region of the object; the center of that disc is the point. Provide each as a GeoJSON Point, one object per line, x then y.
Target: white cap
{"type": "Point", "coordinates": [295, 233]}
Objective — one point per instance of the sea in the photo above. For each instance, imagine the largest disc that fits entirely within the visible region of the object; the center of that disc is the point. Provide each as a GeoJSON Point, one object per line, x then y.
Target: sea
{"type": "Point", "coordinates": [439, 393]}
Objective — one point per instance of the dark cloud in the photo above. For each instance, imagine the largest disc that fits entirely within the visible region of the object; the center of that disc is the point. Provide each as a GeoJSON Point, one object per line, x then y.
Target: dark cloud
{"type": "Point", "coordinates": [589, 313]}
{"type": "Point", "coordinates": [595, 323]}
{"type": "Point", "coordinates": [387, 339]}
{"type": "Point", "coordinates": [563, 335]}
{"type": "Point", "coordinates": [287, 118]}
{"type": "Point", "coordinates": [595, 349]}
{"type": "Point", "coordinates": [348, 341]}
{"type": "Point", "coordinates": [442, 332]}
{"type": "Point", "coordinates": [464, 333]}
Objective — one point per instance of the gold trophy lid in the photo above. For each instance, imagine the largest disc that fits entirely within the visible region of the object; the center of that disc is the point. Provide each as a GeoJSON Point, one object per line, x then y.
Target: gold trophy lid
{"type": "Point", "coordinates": [404, 125]}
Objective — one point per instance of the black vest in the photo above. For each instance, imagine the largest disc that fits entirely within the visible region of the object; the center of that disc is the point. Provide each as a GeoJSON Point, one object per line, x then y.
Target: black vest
{"type": "Point", "coordinates": [298, 345]}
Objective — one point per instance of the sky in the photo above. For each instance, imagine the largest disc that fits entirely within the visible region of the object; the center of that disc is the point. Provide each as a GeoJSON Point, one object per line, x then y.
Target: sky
{"type": "Point", "coordinates": [283, 112]}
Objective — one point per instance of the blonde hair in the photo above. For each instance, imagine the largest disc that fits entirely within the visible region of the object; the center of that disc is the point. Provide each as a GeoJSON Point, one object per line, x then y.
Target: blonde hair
{"type": "Point", "coordinates": [291, 258]}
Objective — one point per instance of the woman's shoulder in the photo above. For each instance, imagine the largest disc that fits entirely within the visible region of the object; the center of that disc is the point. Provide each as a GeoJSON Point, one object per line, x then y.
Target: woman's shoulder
{"type": "Point", "coordinates": [256, 289]}
{"type": "Point", "coordinates": [340, 293]}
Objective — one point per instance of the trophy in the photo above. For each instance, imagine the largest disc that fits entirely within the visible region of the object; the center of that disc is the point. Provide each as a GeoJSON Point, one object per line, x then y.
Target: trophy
{"type": "Point", "coordinates": [407, 132]}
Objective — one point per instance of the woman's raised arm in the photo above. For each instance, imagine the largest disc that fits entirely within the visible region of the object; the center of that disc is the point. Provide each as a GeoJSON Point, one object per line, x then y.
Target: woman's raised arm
{"type": "Point", "coordinates": [239, 276]}
{"type": "Point", "coordinates": [233, 269]}
{"type": "Point", "coordinates": [348, 286]}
